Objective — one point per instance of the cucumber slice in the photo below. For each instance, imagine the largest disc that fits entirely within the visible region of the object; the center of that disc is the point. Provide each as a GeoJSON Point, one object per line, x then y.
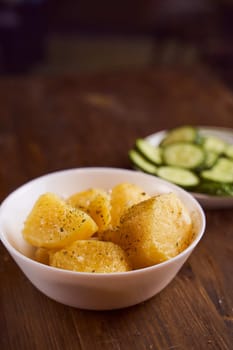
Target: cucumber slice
{"type": "Point", "coordinates": [183, 133]}
{"type": "Point", "coordinates": [179, 176]}
{"type": "Point", "coordinates": [215, 144]}
{"type": "Point", "coordinates": [222, 171]}
{"type": "Point", "coordinates": [210, 159]}
{"type": "Point", "coordinates": [184, 155]}
{"type": "Point", "coordinates": [152, 153]}
{"type": "Point", "coordinates": [141, 163]}
{"type": "Point", "coordinates": [229, 151]}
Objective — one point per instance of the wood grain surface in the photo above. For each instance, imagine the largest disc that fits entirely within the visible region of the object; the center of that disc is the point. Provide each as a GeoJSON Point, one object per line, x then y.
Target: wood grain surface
{"type": "Point", "coordinates": [53, 123]}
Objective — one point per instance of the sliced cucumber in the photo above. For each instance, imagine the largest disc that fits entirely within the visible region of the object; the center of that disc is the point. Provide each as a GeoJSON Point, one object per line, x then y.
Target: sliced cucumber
{"type": "Point", "coordinates": [179, 176]}
{"type": "Point", "coordinates": [183, 133]}
{"type": "Point", "coordinates": [190, 158]}
{"type": "Point", "coordinates": [183, 154]}
{"type": "Point", "coordinates": [229, 151]}
{"type": "Point", "coordinates": [215, 144]}
{"type": "Point", "coordinates": [152, 153]}
{"type": "Point", "coordinates": [210, 159]}
{"type": "Point", "coordinates": [222, 171]}
{"type": "Point", "coordinates": [141, 163]}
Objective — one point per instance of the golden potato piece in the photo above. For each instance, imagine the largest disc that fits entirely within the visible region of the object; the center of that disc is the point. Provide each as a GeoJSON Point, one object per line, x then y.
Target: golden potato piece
{"type": "Point", "coordinates": [123, 196]}
{"type": "Point", "coordinates": [109, 235]}
{"type": "Point", "coordinates": [154, 230]}
{"type": "Point", "coordinates": [83, 199]}
{"type": "Point", "coordinates": [96, 203]}
{"type": "Point", "coordinates": [91, 256]}
{"type": "Point", "coordinates": [53, 223]}
{"type": "Point", "coordinates": [42, 255]}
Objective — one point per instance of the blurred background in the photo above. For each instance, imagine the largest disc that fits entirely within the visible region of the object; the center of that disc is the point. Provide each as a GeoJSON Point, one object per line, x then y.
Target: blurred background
{"type": "Point", "coordinates": [72, 36]}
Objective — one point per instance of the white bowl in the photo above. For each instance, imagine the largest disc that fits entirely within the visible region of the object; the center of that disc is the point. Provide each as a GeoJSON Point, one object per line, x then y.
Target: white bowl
{"type": "Point", "coordinates": [88, 290]}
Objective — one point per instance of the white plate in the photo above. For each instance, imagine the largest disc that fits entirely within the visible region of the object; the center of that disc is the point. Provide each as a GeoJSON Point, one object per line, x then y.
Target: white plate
{"type": "Point", "coordinates": [208, 202]}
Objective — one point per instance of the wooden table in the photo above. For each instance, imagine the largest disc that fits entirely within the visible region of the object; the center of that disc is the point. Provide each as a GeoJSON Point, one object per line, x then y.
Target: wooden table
{"type": "Point", "coordinates": [53, 123]}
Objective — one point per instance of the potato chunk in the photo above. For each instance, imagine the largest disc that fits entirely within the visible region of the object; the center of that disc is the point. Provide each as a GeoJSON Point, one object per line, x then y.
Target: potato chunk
{"type": "Point", "coordinates": [123, 196]}
{"type": "Point", "coordinates": [53, 223]}
{"type": "Point", "coordinates": [154, 230]}
{"type": "Point", "coordinates": [96, 203]}
{"type": "Point", "coordinates": [42, 255]}
{"type": "Point", "coordinates": [91, 256]}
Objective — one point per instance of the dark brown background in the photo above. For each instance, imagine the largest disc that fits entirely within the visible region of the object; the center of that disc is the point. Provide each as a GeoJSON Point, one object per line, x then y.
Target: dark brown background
{"type": "Point", "coordinates": [195, 29]}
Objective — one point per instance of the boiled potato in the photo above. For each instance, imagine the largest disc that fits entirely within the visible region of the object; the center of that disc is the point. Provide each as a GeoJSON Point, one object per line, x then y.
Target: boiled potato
{"type": "Point", "coordinates": [123, 196]}
{"type": "Point", "coordinates": [132, 230]}
{"type": "Point", "coordinates": [154, 230]}
{"type": "Point", "coordinates": [42, 255]}
{"type": "Point", "coordinates": [91, 256]}
{"type": "Point", "coordinates": [52, 223]}
{"type": "Point", "coordinates": [96, 203]}
{"type": "Point", "coordinates": [109, 235]}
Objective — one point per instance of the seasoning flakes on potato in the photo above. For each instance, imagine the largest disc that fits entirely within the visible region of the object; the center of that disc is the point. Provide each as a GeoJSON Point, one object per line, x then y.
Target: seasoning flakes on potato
{"type": "Point", "coordinates": [96, 203]}
{"type": "Point", "coordinates": [154, 230]}
{"type": "Point", "coordinates": [91, 256]}
{"type": "Point", "coordinates": [53, 223]}
{"type": "Point", "coordinates": [123, 196]}
{"type": "Point", "coordinates": [132, 230]}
